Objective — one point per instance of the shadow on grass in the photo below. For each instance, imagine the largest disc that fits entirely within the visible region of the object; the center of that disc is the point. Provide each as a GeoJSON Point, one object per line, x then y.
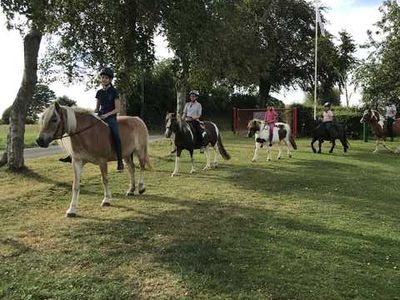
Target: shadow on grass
{"type": "Point", "coordinates": [215, 249]}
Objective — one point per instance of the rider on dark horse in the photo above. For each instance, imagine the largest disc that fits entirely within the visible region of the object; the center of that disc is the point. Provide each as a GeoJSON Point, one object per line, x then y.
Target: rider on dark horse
{"type": "Point", "coordinates": [192, 113]}
{"type": "Point", "coordinates": [327, 119]}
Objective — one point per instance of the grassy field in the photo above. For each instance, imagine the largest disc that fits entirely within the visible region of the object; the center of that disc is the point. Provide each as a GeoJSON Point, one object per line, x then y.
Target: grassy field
{"type": "Point", "coordinates": [31, 132]}
{"type": "Point", "coordinates": [312, 227]}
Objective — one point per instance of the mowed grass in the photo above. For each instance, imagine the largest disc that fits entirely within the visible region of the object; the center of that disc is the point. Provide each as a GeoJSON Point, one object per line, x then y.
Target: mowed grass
{"type": "Point", "coordinates": [31, 134]}
{"type": "Point", "coordinates": [311, 227]}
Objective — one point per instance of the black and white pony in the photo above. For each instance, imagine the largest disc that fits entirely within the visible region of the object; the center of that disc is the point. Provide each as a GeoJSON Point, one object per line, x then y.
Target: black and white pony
{"type": "Point", "coordinates": [185, 138]}
{"type": "Point", "coordinates": [281, 134]}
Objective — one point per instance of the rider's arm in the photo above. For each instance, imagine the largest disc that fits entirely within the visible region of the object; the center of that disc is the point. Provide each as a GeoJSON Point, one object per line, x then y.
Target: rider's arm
{"type": "Point", "coordinates": [116, 109]}
{"type": "Point", "coordinates": [97, 105]}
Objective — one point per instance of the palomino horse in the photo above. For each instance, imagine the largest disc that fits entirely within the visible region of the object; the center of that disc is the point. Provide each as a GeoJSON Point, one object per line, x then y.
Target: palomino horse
{"type": "Point", "coordinates": [88, 139]}
{"type": "Point", "coordinates": [378, 126]}
{"type": "Point", "coordinates": [185, 139]}
{"type": "Point", "coordinates": [281, 134]}
{"type": "Point", "coordinates": [337, 132]}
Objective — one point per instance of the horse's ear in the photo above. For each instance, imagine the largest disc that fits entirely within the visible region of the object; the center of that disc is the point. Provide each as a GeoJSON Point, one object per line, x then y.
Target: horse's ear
{"type": "Point", "coordinates": [57, 106]}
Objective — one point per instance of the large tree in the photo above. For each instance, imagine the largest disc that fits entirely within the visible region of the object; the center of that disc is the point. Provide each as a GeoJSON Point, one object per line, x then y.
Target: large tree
{"type": "Point", "coordinates": [379, 74]}
{"type": "Point", "coordinates": [346, 62]}
{"type": "Point", "coordinates": [113, 33]}
{"type": "Point", "coordinates": [32, 18]}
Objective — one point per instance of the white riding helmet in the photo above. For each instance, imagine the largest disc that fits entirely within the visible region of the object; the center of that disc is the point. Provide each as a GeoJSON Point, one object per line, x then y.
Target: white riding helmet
{"type": "Point", "coordinates": [327, 104]}
{"type": "Point", "coordinates": [194, 92]}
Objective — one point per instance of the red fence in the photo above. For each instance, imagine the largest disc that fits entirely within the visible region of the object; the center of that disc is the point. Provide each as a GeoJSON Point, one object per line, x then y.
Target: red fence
{"type": "Point", "coordinates": [240, 118]}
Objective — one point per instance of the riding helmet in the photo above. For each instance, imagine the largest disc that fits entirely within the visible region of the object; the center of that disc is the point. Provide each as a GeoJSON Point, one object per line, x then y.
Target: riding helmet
{"type": "Point", "coordinates": [194, 92]}
{"type": "Point", "coordinates": [327, 104]}
{"type": "Point", "coordinates": [108, 72]}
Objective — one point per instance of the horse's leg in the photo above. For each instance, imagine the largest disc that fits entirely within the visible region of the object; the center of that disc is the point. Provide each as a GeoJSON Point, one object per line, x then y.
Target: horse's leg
{"type": "Point", "coordinates": [177, 161]}
{"type": "Point", "coordinates": [193, 169]}
{"type": "Point", "coordinates": [289, 154]}
{"type": "Point", "coordinates": [279, 150]}
{"type": "Point", "coordinates": [268, 152]}
{"type": "Point", "coordinates": [257, 147]}
{"type": "Point", "coordinates": [77, 166]}
{"type": "Point", "coordinates": [104, 179]}
{"type": "Point", "coordinates": [215, 162]}
{"type": "Point", "coordinates": [333, 145]}
{"type": "Point", "coordinates": [319, 145]}
{"type": "Point", "coordinates": [142, 163]}
{"type": "Point", "coordinates": [387, 147]}
{"type": "Point", "coordinates": [208, 158]}
{"type": "Point", "coordinates": [131, 168]}
{"type": "Point", "coordinates": [376, 146]}
{"type": "Point", "coordinates": [312, 145]}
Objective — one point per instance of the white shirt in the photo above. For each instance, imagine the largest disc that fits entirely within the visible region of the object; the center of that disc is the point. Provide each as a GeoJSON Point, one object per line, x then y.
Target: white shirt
{"type": "Point", "coordinates": [391, 111]}
{"type": "Point", "coordinates": [192, 109]}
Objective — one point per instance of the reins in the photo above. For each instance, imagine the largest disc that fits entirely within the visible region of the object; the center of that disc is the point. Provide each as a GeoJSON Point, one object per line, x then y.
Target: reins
{"type": "Point", "coordinates": [70, 134]}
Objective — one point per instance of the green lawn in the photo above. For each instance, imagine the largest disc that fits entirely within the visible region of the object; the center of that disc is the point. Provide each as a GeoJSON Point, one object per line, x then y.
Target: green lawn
{"type": "Point", "coordinates": [31, 133]}
{"type": "Point", "coordinates": [311, 227]}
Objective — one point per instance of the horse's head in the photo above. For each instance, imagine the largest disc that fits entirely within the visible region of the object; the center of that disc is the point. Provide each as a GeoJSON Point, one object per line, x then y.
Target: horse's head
{"type": "Point", "coordinates": [52, 125]}
{"type": "Point", "coordinates": [170, 124]}
{"type": "Point", "coordinates": [252, 127]}
{"type": "Point", "coordinates": [370, 115]}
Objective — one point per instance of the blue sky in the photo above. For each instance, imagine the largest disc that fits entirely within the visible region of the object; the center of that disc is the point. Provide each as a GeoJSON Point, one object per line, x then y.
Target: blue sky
{"type": "Point", "coordinates": [355, 16]}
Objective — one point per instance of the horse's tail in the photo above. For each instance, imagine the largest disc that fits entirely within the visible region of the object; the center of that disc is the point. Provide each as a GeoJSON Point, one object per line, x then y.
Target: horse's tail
{"type": "Point", "coordinates": [292, 142]}
{"type": "Point", "coordinates": [225, 155]}
{"type": "Point", "coordinates": [291, 138]}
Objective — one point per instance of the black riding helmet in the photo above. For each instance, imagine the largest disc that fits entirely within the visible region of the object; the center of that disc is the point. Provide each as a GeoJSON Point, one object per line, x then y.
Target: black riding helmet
{"type": "Point", "coordinates": [108, 72]}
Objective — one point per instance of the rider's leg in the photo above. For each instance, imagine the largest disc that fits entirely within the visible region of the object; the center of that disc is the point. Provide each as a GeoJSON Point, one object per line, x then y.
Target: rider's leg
{"type": "Point", "coordinates": [113, 124]}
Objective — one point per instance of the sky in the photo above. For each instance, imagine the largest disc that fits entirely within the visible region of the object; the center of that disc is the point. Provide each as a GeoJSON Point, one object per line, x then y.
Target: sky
{"type": "Point", "coordinates": [355, 16]}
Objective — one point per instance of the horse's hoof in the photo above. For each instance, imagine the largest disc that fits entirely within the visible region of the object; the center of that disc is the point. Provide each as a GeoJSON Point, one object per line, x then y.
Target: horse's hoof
{"type": "Point", "coordinates": [268, 159]}
{"type": "Point", "coordinates": [290, 156]}
{"type": "Point", "coordinates": [174, 174]}
{"type": "Point", "coordinates": [106, 204]}
{"type": "Point", "coordinates": [130, 193]}
{"type": "Point", "coordinates": [279, 158]}
{"type": "Point", "coordinates": [315, 151]}
{"type": "Point", "coordinates": [206, 168]}
{"type": "Point", "coordinates": [142, 191]}
{"type": "Point", "coordinates": [70, 215]}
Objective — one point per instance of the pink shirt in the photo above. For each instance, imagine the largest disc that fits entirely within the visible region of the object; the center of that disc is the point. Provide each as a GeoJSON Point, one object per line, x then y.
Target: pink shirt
{"type": "Point", "coordinates": [328, 116]}
{"type": "Point", "coordinates": [270, 116]}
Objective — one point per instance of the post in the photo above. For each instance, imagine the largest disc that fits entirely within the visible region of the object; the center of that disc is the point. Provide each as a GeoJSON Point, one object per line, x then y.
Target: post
{"type": "Point", "coordinates": [365, 132]}
{"type": "Point", "coordinates": [316, 60]}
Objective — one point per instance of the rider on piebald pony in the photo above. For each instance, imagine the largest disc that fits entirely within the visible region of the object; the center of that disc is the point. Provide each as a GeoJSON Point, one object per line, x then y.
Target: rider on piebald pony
{"type": "Point", "coordinates": [270, 118]}
{"type": "Point", "coordinates": [192, 113]}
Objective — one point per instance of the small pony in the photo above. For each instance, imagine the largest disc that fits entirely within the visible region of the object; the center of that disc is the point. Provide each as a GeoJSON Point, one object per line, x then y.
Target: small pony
{"type": "Point", "coordinates": [337, 132]}
{"type": "Point", "coordinates": [88, 139]}
{"type": "Point", "coordinates": [281, 134]}
{"type": "Point", "coordinates": [184, 138]}
{"type": "Point", "coordinates": [379, 128]}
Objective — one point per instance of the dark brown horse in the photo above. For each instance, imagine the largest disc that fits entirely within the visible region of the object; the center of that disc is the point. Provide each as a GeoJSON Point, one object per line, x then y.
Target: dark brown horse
{"type": "Point", "coordinates": [378, 125]}
{"type": "Point", "coordinates": [184, 138]}
{"type": "Point", "coordinates": [337, 131]}
{"type": "Point", "coordinates": [88, 140]}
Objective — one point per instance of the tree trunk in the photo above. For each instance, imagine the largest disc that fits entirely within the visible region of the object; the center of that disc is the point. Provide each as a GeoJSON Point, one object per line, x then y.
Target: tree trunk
{"type": "Point", "coordinates": [264, 89]}
{"type": "Point", "coordinates": [15, 144]}
{"type": "Point", "coordinates": [181, 92]}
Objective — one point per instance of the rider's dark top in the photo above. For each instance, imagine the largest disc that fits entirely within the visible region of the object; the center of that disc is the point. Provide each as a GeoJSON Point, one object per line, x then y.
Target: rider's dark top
{"type": "Point", "coordinates": [107, 99]}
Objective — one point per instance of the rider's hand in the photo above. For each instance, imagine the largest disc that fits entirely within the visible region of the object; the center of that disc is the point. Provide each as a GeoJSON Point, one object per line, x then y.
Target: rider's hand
{"type": "Point", "coordinates": [105, 116]}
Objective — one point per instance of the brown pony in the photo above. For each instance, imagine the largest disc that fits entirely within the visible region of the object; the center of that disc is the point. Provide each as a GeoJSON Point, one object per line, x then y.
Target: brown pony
{"type": "Point", "coordinates": [88, 140]}
{"type": "Point", "coordinates": [379, 127]}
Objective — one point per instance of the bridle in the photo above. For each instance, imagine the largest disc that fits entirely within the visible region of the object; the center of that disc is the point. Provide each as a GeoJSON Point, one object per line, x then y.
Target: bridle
{"type": "Point", "coordinates": [62, 127]}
